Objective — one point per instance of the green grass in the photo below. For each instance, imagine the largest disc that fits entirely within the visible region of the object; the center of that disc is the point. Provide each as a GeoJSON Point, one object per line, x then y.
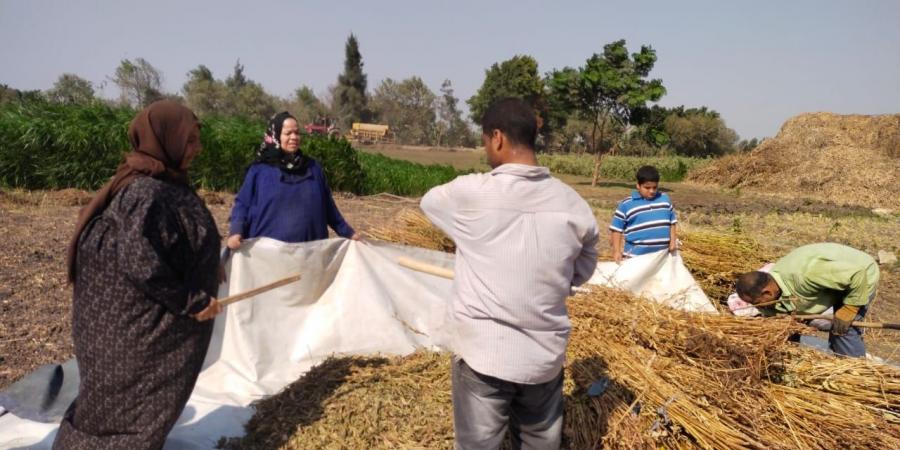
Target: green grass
{"type": "Point", "coordinates": [671, 168]}
{"type": "Point", "coordinates": [53, 146]}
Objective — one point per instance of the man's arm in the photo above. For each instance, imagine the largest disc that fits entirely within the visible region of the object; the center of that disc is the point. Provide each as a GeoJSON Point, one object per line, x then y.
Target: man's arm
{"type": "Point", "coordinates": [439, 205]}
{"type": "Point", "coordinates": [587, 259]}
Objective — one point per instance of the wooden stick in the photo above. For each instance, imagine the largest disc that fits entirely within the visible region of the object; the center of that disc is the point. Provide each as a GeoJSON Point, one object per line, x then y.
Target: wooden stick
{"type": "Point", "coordinates": [886, 326]}
{"type": "Point", "coordinates": [253, 292]}
{"type": "Point", "coordinates": [423, 267]}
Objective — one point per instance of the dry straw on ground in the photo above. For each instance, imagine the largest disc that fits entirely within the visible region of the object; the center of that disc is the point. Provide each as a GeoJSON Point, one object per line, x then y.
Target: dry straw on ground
{"type": "Point", "coordinates": [714, 259]}
{"type": "Point", "coordinates": [674, 380]}
{"type": "Point", "coordinates": [850, 160]}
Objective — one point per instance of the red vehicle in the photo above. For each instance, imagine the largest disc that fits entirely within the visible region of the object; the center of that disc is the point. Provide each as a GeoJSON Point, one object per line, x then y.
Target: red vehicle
{"type": "Point", "coordinates": [323, 126]}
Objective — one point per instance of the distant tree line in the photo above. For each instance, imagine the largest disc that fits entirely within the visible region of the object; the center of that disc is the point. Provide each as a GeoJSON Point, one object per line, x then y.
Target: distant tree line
{"type": "Point", "coordinates": [606, 106]}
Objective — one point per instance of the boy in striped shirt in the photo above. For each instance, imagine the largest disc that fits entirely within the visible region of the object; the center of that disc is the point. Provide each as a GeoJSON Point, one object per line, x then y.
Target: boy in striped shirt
{"type": "Point", "coordinates": [644, 222]}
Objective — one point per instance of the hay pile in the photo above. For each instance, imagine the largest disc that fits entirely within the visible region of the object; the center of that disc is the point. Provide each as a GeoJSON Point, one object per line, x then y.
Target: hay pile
{"type": "Point", "coordinates": [850, 159]}
{"type": "Point", "coordinates": [675, 380]}
{"type": "Point", "coordinates": [714, 259]}
{"type": "Point", "coordinates": [412, 228]}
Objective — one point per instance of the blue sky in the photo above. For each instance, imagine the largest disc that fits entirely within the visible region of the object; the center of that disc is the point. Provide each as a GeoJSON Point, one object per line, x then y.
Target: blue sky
{"type": "Point", "coordinates": [757, 63]}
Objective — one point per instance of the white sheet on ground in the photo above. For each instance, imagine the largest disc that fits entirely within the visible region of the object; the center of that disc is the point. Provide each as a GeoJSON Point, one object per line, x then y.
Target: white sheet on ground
{"type": "Point", "coordinates": [352, 299]}
{"type": "Point", "coordinates": [659, 276]}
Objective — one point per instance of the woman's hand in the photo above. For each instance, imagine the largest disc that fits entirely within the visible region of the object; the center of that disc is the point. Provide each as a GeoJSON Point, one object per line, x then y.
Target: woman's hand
{"type": "Point", "coordinates": [234, 241]}
{"type": "Point", "coordinates": [356, 237]}
{"type": "Point", "coordinates": [210, 311]}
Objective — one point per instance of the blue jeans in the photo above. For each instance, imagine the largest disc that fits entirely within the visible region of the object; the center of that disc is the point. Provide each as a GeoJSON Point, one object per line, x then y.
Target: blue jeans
{"type": "Point", "coordinates": [851, 343]}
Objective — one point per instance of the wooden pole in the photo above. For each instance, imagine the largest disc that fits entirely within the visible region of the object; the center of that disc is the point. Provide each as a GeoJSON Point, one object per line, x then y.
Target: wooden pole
{"type": "Point", "coordinates": [254, 292]}
{"type": "Point", "coordinates": [886, 326]}
{"type": "Point", "coordinates": [420, 266]}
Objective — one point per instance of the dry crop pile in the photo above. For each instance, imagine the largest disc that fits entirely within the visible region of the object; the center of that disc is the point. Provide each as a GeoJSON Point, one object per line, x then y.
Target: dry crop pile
{"type": "Point", "coordinates": [673, 380]}
{"type": "Point", "coordinates": [714, 259]}
{"type": "Point", "coordinates": [851, 159]}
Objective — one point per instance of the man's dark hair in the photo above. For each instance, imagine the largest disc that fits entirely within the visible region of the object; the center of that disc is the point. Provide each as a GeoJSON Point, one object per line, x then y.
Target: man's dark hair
{"type": "Point", "coordinates": [647, 173]}
{"type": "Point", "coordinates": [751, 284]}
{"type": "Point", "coordinates": [514, 118]}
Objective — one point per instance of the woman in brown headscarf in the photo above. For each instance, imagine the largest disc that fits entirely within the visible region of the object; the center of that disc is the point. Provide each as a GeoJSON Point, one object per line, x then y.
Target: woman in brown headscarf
{"type": "Point", "coordinates": [143, 262]}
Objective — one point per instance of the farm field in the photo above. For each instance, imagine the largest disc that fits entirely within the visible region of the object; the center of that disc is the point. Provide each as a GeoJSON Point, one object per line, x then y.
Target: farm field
{"type": "Point", "coordinates": [35, 302]}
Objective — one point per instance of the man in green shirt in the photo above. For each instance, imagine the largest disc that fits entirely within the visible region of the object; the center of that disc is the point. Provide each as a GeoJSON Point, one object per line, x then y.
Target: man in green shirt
{"type": "Point", "coordinates": [813, 278]}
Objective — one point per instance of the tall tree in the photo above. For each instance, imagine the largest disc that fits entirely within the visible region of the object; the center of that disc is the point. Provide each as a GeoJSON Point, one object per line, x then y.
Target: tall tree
{"type": "Point", "coordinates": [350, 93]}
{"type": "Point", "coordinates": [699, 133]}
{"type": "Point", "coordinates": [408, 108]}
{"type": "Point", "coordinates": [71, 89]}
{"type": "Point", "coordinates": [203, 93]}
{"type": "Point", "coordinates": [515, 77]}
{"type": "Point", "coordinates": [307, 107]}
{"type": "Point", "coordinates": [606, 92]}
{"type": "Point", "coordinates": [246, 98]}
{"type": "Point", "coordinates": [8, 94]}
{"type": "Point", "coordinates": [140, 82]}
{"type": "Point", "coordinates": [450, 128]}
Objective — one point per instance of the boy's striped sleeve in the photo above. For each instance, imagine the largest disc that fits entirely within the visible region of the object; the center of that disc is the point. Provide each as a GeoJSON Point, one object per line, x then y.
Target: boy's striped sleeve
{"type": "Point", "coordinates": [618, 221]}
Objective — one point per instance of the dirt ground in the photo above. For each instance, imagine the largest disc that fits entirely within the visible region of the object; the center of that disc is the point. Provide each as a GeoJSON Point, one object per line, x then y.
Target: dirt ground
{"type": "Point", "coordinates": [35, 302]}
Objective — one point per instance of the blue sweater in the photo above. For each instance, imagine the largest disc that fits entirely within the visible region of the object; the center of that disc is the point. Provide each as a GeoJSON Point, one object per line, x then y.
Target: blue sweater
{"type": "Point", "coordinates": [286, 207]}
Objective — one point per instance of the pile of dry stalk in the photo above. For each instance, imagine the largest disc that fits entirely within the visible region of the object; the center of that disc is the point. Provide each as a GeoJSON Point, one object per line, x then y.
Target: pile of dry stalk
{"type": "Point", "coordinates": [673, 380]}
{"type": "Point", "coordinates": [714, 259]}
{"type": "Point", "coordinates": [670, 379]}
{"type": "Point", "coordinates": [826, 156]}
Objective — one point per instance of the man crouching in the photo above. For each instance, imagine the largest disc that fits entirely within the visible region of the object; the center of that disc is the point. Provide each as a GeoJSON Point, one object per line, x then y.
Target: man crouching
{"type": "Point", "coordinates": [812, 278]}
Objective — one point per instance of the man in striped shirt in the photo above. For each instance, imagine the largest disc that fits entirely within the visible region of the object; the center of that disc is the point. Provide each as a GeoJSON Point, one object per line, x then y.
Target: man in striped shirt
{"type": "Point", "coordinates": [523, 239]}
{"type": "Point", "coordinates": [644, 222]}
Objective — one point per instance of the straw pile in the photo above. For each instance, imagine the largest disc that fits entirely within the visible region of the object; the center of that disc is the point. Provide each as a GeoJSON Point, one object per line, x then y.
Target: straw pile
{"type": "Point", "coordinates": [714, 259]}
{"type": "Point", "coordinates": [850, 159]}
{"type": "Point", "coordinates": [412, 228]}
{"type": "Point", "coordinates": [675, 380]}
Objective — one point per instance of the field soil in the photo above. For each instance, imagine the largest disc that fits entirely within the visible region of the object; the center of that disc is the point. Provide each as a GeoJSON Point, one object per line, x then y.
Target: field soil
{"type": "Point", "coordinates": [35, 302]}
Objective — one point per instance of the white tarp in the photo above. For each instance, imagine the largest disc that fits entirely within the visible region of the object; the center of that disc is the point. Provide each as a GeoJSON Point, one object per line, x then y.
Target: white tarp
{"type": "Point", "coordinates": [659, 276]}
{"type": "Point", "coordinates": [352, 299]}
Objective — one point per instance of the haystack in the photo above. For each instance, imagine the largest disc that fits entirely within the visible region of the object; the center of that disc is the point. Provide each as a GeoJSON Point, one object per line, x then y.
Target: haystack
{"type": "Point", "coordinates": [714, 259]}
{"type": "Point", "coordinates": [673, 380]}
{"type": "Point", "coordinates": [853, 160]}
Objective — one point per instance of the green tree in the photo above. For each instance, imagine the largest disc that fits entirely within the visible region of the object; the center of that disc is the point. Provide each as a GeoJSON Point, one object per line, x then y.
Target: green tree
{"type": "Point", "coordinates": [699, 133]}
{"type": "Point", "coordinates": [515, 77]}
{"type": "Point", "coordinates": [8, 94]}
{"type": "Point", "coordinates": [606, 91]}
{"type": "Point", "coordinates": [746, 146]}
{"type": "Point", "coordinates": [451, 129]}
{"type": "Point", "coordinates": [307, 107]}
{"type": "Point", "coordinates": [71, 89]}
{"type": "Point", "coordinates": [350, 92]}
{"type": "Point", "coordinates": [203, 93]}
{"type": "Point", "coordinates": [408, 108]}
{"type": "Point", "coordinates": [246, 98]}
{"type": "Point", "coordinates": [139, 81]}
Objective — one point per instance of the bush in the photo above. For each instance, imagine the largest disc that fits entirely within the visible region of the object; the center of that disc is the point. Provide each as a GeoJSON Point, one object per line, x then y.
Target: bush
{"type": "Point", "coordinates": [55, 146]}
{"type": "Point", "coordinates": [385, 174]}
{"type": "Point", "coordinates": [671, 168]}
{"type": "Point", "coordinates": [44, 145]}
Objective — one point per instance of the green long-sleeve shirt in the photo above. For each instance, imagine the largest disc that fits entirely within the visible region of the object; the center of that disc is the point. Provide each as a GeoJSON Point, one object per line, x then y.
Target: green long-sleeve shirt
{"type": "Point", "coordinates": [816, 277]}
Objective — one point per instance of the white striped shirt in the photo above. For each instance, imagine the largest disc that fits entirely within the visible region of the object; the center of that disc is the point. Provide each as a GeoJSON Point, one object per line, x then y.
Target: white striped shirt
{"type": "Point", "coordinates": [523, 238]}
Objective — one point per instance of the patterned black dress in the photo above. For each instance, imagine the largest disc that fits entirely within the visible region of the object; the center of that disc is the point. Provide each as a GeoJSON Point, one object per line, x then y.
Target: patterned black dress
{"type": "Point", "coordinates": [144, 265]}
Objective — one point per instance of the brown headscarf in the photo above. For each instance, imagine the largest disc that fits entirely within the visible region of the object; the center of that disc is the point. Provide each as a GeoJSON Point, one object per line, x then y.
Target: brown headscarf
{"type": "Point", "coordinates": [165, 137]}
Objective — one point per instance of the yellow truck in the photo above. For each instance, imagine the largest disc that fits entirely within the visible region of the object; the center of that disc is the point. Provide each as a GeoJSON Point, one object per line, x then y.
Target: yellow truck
{"type": "Point", "coordinates": [370, 133]}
